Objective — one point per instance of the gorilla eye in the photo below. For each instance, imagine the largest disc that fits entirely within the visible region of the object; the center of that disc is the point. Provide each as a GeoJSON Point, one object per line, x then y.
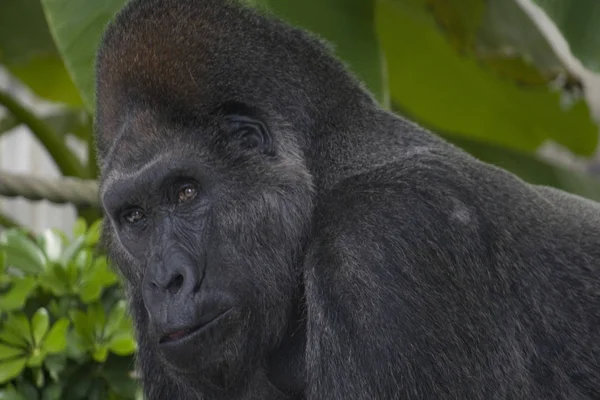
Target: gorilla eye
{"type": "Point", "coordinates": [186, 193]}
{"type": "Point", "coordinates": [133, 216]}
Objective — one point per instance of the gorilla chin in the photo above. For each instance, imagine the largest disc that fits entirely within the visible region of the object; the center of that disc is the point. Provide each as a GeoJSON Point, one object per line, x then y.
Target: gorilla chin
{"type": "Point", "coordinates": [200, 346]}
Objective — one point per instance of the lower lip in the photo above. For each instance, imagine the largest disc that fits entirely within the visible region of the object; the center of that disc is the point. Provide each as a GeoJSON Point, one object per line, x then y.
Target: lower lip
{"type": "Point", "coordinates": [195, 331]}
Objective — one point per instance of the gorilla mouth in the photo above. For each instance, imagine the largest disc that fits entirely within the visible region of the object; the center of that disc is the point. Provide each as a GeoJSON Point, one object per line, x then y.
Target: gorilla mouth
{"type": "Point", "coordinates": [178, 334]}
{"type": "Point", "coordinates": [188, 332]}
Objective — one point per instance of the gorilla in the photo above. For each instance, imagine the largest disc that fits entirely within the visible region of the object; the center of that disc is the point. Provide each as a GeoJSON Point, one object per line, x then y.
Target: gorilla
{"type": "Point", "coordinates": [281, 236]}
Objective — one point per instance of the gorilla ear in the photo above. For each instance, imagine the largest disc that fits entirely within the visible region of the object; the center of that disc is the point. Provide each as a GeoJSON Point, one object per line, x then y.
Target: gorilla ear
{"type": "Point", "coordinates": [247, 129]}
{"type": "Point", "coordinates": [250, 133]}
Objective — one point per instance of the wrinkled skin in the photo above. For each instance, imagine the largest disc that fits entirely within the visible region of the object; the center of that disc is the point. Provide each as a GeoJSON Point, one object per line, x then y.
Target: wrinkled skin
{"type": "Point", "coordinates": [283, 237]}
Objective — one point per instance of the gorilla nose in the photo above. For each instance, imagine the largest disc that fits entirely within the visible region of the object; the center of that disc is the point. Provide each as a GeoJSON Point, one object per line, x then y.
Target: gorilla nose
{"type": "Point", "coordinates": [173, 284]}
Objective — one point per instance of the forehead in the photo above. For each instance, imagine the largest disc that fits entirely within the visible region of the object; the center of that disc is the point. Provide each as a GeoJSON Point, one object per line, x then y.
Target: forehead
{"type": "Point", "coordinates": [146, 137]}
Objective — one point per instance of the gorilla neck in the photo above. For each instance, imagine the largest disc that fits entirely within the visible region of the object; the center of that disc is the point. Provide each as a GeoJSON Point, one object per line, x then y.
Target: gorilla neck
{"type": "Point", "coordinates": [345, 144]}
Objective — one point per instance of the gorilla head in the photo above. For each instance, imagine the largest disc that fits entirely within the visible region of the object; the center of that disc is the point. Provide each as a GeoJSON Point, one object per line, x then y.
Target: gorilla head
{"type": "Point", "coordinates": [205, 183]}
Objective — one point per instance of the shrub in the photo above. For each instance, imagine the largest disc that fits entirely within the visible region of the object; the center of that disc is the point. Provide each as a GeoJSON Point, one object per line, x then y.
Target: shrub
{"type": "Point", "coordinates": [64, 329]}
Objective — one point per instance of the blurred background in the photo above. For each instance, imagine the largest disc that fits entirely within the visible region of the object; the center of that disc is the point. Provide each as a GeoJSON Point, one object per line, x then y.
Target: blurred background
{"type": "Point", "coordinates": [514, 82]}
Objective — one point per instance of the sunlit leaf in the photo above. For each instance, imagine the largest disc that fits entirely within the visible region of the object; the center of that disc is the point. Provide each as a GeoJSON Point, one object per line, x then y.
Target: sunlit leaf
{"type": "Point", "coordinates": [12, 337]}
{"type": "Point", "coordinates": [17, 330]}
{"type": "Point", "coordinates": [100, 353]}
{"type": "Point", "coordinates": [84, 327]}
{"type": "Point", "coordinates": [56, 339]}
{"type": "Point", "coordinates": [93, 233]}
{"type": "Point", "coordinates": [21, 252]}
{"type": "Point", "coordinates": [39, 325]}
{"type": "Point", "coordinates": [95, 279]}
{"type": "Point", "coordinates": [11, 369]}
{"type": "Point", "coordinates": [8, 352]}
{"type": "Point", "coordinates": [448, 91]}
{"type": "Point", "coordinates": [122, 346]}
{"type": "Point", "coordinates": [17, 294]}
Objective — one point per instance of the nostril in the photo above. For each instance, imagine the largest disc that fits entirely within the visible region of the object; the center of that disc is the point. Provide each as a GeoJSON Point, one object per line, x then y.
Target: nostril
{"type": "Point", "coordinates": [178, 281]}
{"type": "Point", "coordinates": [175, 284]}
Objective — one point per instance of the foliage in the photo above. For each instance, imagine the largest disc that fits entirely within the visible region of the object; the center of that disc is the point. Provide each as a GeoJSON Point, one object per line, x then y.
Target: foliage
{"type": "Point", "coordinates": [64, 329]}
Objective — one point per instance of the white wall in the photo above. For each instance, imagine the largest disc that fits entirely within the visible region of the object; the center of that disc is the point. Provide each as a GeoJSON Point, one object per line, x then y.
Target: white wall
{"type": "Point", "coordinates": [20, 152]}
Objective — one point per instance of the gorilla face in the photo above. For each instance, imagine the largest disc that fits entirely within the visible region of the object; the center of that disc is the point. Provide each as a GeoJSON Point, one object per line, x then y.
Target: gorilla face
{"type": "Point", "coordinates": [207, 233]}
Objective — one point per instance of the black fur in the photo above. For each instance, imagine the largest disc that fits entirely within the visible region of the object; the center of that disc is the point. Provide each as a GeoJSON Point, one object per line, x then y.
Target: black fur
{"type": "Point", "coordinates": [359, 256]}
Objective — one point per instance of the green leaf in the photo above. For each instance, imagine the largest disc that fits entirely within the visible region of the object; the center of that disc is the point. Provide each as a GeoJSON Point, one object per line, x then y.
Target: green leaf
{"type": "Point", "coordinates": [10, 337]}
{"type": "Point", "coordinates": [55, 280]}
{"type": "Point", "coordinates": [2, 263]}
{"type": "Point", "coordinates": [17, 330]}
{"type": "Point", "coordinates": [460, 19]}
{"type": "Point", "coordinates": [95, 279]}
{"type": "Point", "coordinates": [56, 339]}
{"type": "Point", "coordinates": [18, 293]}
{"type": "Point", "coordinates": [52, 242]}
{"type": "Point", "coordinates": [72, 250]}
{"type": "Point", "coordinates": [11, 369]}
{"type": "Point", "coordinates": [39, 377]}
{"type": "Point", "coordinates": [36, 358]}
{"type": "Point", "coordinates": [100, 353]}
{"type": "Point", "coordinates": [79, 228]}
{"type": "Point", "coordinates": [117, 321]}
{"type": "Point", "coordinates": [27, 389]}
{"type": "Point", "coordinates": [96, 320]}
{"type": "Point", "coordinates": [10, 393]}
{"type": "Point", "coordinates": [452, 92]}
{"type": "Point", "coordinates": [486, 29]}
{"type": "Point", "coordinates": [506, 25]}
{"type": "Point", "coordinates": [578, 22]}
{"type": "Point", "coordinates": [53, 392]}
{"type": "Point", "coordinates": [77, 27]}
{"type": "Point", "coordinates": [122, 345]}
{"type": "Point", "coordinates": [55, 364]}
{"type": "Point", "coordinates": [79, 382]}
{"type": "Point", "coordinates": [118, 373]}
{"type": "Point", "coordinates": [27, 49]}
{"type": "Point", "coordinates": [84, 327]}
{"type": "Point", "coordinates": [350, 26]}
{"type": "Point", "coordinates": [54, 84]}
{"type": "Point", "coordinates": [93, 234]}
{"type": "Point", "coordinates": [7, 352]}
{"type": "Point", "coordinates": [21, 252]}
{"type": "Point", "coordinates": [39, 325]}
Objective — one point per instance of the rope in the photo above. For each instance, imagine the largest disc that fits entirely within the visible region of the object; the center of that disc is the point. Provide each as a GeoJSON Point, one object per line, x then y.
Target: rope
{"type": "Point", "coordinates": [62, 190]}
